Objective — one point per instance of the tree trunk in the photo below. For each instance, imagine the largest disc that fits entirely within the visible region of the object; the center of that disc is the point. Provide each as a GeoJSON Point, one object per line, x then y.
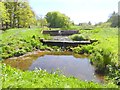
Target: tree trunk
{"type": "Point", "coordinates": [14, 15]}
{"type": "Point", "coordinates": [2, 26]}
{"type": "Point", "coordinates": [6, 25]}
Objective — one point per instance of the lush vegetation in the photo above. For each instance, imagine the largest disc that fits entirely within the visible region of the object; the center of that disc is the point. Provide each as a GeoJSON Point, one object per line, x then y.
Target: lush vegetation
{"type": "Point", "coordinates": [14, 78]}
{"type": "Point", "coordinates": [57, 20]}
{"type": "Point", "coordinates": [114, 19]}
{"type": "Point", "coordinates": [79, 37]}
{"type": "Point", "coordinates": [16, 42]}
{"type": "Point", "coordinates": [104, 53]}
{"type": "Point", "coordinates": [16, 14]}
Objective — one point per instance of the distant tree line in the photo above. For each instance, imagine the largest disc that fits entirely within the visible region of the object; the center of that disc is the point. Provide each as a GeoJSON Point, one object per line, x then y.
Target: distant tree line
{"type": "Point", "coordinates": [113, 21]}
{"type": "Point", "coordinates": [16, 14]}
{"type": "Point", "coordinates": [19, 15]}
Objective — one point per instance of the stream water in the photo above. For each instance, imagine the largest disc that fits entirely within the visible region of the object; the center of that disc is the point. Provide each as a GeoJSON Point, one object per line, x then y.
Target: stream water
{"type": "Point", "coordinates": [67, 63]}
{"type": "Point", "coordinates": [61, 38]}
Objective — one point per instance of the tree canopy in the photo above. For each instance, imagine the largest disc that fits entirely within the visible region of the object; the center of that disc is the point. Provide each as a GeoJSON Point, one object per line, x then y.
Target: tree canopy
{"type": "Point", "coordinates": [57, 20]}
{"type": "Point", "coordinates": [114, 19]}
{"type": "Point", "coordinates": [16, 14]}
{"type": "Point", "coordinates": [3, 13]}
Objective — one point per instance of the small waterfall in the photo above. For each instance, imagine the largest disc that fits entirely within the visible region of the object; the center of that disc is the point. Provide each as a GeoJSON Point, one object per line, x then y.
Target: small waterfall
{"type": "Point", "coordinates": [59, 32]}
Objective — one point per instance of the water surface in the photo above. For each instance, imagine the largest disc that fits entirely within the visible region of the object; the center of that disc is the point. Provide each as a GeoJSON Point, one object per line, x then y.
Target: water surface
{"type": "Point", "coordinates": [68, 63]}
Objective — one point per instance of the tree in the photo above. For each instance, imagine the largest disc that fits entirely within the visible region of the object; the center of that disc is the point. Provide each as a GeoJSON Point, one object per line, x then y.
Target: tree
{"type": "Point", "coordinates": [25, 15]}
{"type": "Point", "coordinates": [114, 19]}
{"type": "Point", "coordinates": [3, 14]}
{"type": "Point", "coordinates": [89, 23]}
{"type": "Point", "coordinates": [57, 20]}
{"type": "Point", "coordinates": [20, 14]}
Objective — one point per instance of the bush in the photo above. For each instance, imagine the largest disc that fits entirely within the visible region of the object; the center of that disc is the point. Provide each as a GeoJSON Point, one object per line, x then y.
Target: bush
{"type": "Point", "coordinates": [19, 52]}
{"type": "Point", "coordinates": [77, 37]}
{"type": "Point", "coordinates": [114, 73]}
{"type": "Point", "coordinates": [77, 50]}
{"type": "Point", "coordinates": [88, 49]}
{"type": "Point", "coordinates": [101, 58]}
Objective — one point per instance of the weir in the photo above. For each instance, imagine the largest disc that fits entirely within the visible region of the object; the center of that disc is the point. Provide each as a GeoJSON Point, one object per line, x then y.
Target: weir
{"type": "Point", "coordinates": [65, 43]}
{"type": "Point", "coordinates": [61, 39]}
{"type": "Point", "coordinates": [60, 32]}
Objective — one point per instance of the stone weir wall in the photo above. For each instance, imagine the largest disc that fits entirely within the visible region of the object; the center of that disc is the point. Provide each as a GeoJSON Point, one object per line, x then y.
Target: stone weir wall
{"type": "Point", "coordinates": [60, 32]}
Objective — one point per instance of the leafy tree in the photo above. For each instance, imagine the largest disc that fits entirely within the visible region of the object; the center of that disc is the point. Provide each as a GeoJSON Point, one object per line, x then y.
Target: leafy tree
{"type": "Point", "coordinates": [114, 19]}
{"type": "Point", "coordinates": [25, 15]}
{"type": "Point", "coordinates": [20, 14]}
{"type": "Point", "coordinates": [57, 20]}
{"type": "Point", "coordinates": [89, 23]}
{"type": "Point", "coordinates": [3, 14]}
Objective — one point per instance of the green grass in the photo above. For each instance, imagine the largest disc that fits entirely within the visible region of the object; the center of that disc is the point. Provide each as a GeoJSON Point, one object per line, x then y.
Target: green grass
{"type": "Point", "coordinates": [14, 78]}
{"type": "Point", "coordinates": [104, 53]}
{"type": "Point", "coordinates": [15, 42]}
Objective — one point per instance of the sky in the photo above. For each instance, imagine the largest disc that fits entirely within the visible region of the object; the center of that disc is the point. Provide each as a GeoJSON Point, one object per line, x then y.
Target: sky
{"type": "Point", "coordinates": [79, 11]}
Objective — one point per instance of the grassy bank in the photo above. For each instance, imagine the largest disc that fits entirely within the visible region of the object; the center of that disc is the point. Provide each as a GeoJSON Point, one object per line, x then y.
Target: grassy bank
{"type": "Point", "coordinates": [104, 53]}
{"type": "Point", "coordinates": [14, 78]}
{"type": "Point", "coordinates": [16, 42]}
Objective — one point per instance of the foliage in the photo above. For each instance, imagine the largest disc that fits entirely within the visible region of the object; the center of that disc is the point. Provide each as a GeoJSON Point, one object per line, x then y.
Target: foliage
{"type": "Point", "coordinates": [14, 78]}
{"type": "Point", "coordinates": [86, 26]}
{"type": "Point", "coordinates": [74, 27]}
{"type": "Point", "coordinates": [79, 37]}
{"type": "Point", "coordinates": [19, 14]}
{"type": "Point", "coordinates": [104, 53]}
{"type": "Point", "coordinates": [3, 13]}
{"type": "Point", "coordinates": [114, 19]}
{"type": "Point", "coordinates": [101, 58]}
{"type": "Point", "coordinates": [16, 42]}
{"type": "Point", "coordinates": [104, 25]}
{"type": "Point", "coordinates": [88, 49]}
{"type": "Point", "coordinates": [25, 15]}
{"type": "Point", "coordinates": [57, 20]}
{"type": "Point", "coordinates": [41, 22]}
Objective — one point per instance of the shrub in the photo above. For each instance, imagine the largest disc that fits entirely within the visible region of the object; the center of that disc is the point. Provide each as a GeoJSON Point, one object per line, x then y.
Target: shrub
{"type": "Point", "coordinates": [83, 49]}
{"type": "Point", "coordinates": [77, 37]}
{"type": "Point", "coordinates": [77, 49]}
{"type": "Point", "coordinates": [19, 52]}
{"type": "Point", "coordinates": [114, 73]}
{"type": "Point", "coordinates": [101, 58]}
{"type": "Point", "coordinates": [87, 49]}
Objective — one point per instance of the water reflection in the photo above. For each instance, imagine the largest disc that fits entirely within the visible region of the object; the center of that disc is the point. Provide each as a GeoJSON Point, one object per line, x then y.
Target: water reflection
{"type": "Point", "coordinates": [68, 63]}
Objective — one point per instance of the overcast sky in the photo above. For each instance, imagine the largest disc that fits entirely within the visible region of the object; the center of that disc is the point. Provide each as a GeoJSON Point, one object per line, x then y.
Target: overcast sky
{"type": "Point", "coordinates": [78, 10]}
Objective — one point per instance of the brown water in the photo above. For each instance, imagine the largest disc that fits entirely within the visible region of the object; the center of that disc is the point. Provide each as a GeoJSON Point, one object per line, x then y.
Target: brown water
{"type": "Point", "coordinates": [68, 63]}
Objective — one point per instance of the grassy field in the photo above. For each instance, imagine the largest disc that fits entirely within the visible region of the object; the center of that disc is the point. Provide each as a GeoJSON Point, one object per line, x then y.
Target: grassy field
{"type": "Point", "coordinates": [104, 56]}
